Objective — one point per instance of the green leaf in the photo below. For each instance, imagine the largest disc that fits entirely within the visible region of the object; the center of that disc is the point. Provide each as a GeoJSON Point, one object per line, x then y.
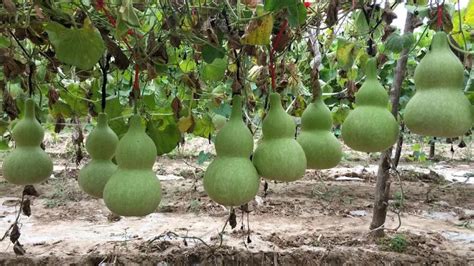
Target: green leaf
{"type": "Point", "coordinates": [209, 53]}
{"type": "Point", "coordinates": [128, 14]}
{"type": "Point", "coordinates": [187, 65]}
{"type": "Point", "coordinates": [74, 97]}
{"type": "Point", "coordinates": [394, 43]}
{"type": "Point", "coordinates": [203, 157]}
{"type": "Point", "coordinates": [360, 23]}
{"type": "Point", "coordinates": [78, 47]}
{"type": "Point", "coordinates": [3, 127]}
{"type": "Point", "coordinates": [4, 42]}
{"type": "Point", "coordinates": [214, 71]}
{"type": "Point", "coordinates": [113, 108]}
{"type": "Point", "coordinates": [408, 40]}
{"type": "Point", "coordinates": [4, 145]}
{"type": "Point", "coordinates": [297, 14]}
{"type": "Point", "coordinates": [165, 139]}
{"type": "Point", "coordinates": [204, 127]}
{"type": "Point", "coordinates": [275, 5]}
{"type": "Point", "coordinates": [345, 53]}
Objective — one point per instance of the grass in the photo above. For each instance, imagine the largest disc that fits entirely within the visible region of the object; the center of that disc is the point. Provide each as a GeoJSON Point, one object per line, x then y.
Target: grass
{"type": "Point", "coordinates": [63, 191]}
{"type": "Point", "coordinates": [398, 243]}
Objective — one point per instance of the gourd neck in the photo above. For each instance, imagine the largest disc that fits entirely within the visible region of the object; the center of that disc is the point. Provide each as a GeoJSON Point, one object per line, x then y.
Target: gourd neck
{"type": "Point", "coordinates": [102, 120]}
{"type": "Point", "coordinates": [275, 102]}
{"type": "Point", "coordinates": [29, 109]}
{"type": "Point", "coordinates": [440, 41]}
{"type": "Point", "coordinates": [371, 69]}
{"type": "Point", "coordinates": [236, 108]}
{"type": "Point", "coordinates": [136, 124]}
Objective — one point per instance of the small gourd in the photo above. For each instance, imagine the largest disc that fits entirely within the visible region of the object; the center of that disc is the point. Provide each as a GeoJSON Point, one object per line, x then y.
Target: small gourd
{"type": "Point", "coordinates": [370, 127]}
{"type": "Point", "coordinates": [27, 164]}
{"type": "Point", "coordinates": [100, 144]}
{"type": "Point", "coordinates": [321, 147]}
{"type": "Point", "coordinates": [134, 189]}
{"type": "Point", "coordinates": [278, 155]}
{"type": "Point", "coordinates": [439, 107]}
{"type": "Point", "coordinates": [231, 179]}
{"type": "Point", "coordinates": [218, 121]}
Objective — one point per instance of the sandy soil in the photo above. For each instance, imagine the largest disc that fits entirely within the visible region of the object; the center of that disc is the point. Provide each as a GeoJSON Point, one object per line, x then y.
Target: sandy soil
{"type": "Point", "coordinates": [322, 218]}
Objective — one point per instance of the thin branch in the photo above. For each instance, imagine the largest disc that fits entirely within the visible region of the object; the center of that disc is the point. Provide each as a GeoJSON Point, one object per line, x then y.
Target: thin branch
{"type": "Point", "coordinates": [16, 219]}
{"type": "Point", "coordinates": [28, 56]}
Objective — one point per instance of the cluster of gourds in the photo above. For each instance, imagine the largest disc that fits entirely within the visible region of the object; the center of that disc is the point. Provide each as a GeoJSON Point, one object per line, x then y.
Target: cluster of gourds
{"type": "Point", "coordinates": [130, 188]}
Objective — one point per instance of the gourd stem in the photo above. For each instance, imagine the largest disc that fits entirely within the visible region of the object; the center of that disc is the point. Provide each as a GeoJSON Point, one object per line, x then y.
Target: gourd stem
{"type": "Point", "coordinates": [105, 69]}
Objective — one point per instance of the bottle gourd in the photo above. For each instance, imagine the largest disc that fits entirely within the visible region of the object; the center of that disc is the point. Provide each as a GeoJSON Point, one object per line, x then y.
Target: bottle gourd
{"type": "Point", "coordinates": [321, 147]}
{"type": "Point", "coordinates": [100, 144]}
{"type": "Point", "coordinates": [439, 107]}
{"type": "Point", "coordinates": [134, 189]}
{"type": "Point", "coordinates": [231, 179]}
{"type": "Point", "coordinates": [27, 164]}
{"type": "Point", "coordinates": [279, 156]}
{"type": "Point", "coordinates": [370, 127]}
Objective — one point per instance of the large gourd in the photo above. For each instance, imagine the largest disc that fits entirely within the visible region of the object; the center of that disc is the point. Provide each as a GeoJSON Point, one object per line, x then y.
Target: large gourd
{"type": "Point", "coordinates": [134, 189]}
{"type": "Point", "coordinates": [279, 156]}
{"type": "Point", "coordinates": [370, 127]}
{"type": "Point", "coordinates": [100, 144]}
{"type": "Point", "coordinates": [439, 107]}
{"type": "Point", "coordinates": [231, 179]}
{"type": "Point", "coordinates": [27, 164]}
{"type": "Point", "coordinates": [321, 147]}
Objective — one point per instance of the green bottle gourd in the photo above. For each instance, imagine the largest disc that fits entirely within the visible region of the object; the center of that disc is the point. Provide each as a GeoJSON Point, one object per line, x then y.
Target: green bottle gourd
{"type": "Point", "coordinates": [231, 179]}
{"type": "Point", "coordinates": [100, 144]}
{"type": "Point", "coordinates": [370, 127]}
{"type": "Point", "coordinates": [279, 156]}
{"type": "Point", "coordinates": [134, 189]}
{"type": "Point", "coordinates": [27, 164]}
{"type": "Point", "coordinates": [321, 147]}
{"type": "Point", "coordinates": [439, 107]}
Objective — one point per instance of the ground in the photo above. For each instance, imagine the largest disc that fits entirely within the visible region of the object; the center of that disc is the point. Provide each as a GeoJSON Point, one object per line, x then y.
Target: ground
{"type": "Point", "coordinates": [322, 218]}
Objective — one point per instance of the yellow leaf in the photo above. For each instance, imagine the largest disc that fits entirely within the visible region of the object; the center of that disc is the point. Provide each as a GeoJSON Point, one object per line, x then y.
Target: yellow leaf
{"type": "Point", "coordinates": [185, 124]}
{"type": "Point", "coordinates": [469, 14]}
{"type": "Point", "coordinates": [258, 31]}
{"type": "Point", "coordinates": [345, 53]}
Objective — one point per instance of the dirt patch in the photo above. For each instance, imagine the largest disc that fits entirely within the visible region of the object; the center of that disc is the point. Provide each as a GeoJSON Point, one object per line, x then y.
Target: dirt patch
{"type": "Point", "coordinates": [320, 219]}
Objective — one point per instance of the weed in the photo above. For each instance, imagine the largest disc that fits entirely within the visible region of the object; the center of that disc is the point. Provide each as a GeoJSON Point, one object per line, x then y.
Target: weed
{"type": "Point", "coordinates": [195, 206]}
{"type": "Point", "coordinates": [399, 200]}
{"type": "Point", "coordinates": [398, 243]}
{"type": "Point", "coordinates": [325, 193]}
{"type": "Point", "coordinates": [63, 191]}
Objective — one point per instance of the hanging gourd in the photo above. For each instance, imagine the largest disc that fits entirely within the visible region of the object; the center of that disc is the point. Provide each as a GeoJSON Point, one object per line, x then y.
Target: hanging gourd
{"type": "Point", "coordinates": [231, 179]}
{"type": "Point", "coordinates": [134, 189]}
{"type": "Point", "coordinates": [27, 164]}
{"type": "Point", "coordinates": [439, 107]}
{"type": "Point", "coordinates": [278, 155]}
{"type": "Point", "coordinates": [321, 147]}
{"type": "Point", "coordinates": [370, 127]}
{"type": "Point", "coordinates": [100, 144]}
